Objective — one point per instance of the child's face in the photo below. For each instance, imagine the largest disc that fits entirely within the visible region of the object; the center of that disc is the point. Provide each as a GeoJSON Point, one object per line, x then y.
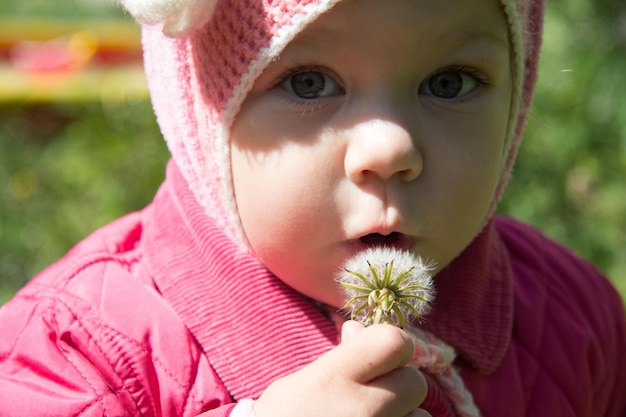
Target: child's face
{"type": "Point", "coordinates": [382, 123]}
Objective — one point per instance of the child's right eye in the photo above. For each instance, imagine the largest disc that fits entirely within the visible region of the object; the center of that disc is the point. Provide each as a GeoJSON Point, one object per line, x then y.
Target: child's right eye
{"type": "Point", "coordinates": [311, 84]}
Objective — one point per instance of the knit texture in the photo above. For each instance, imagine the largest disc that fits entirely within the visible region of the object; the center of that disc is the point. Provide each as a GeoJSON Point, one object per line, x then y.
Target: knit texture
{"type": "Point", "coordinates": [436, 356]}
{"type": "Point", "coordinates": [175, 16]}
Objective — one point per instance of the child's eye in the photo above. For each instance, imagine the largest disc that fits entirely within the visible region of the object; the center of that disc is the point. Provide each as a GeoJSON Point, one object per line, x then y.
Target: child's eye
{"type": "Point", "coordinates": [311, 84]}
{"type": "Point", "coordinates": [449, 84]}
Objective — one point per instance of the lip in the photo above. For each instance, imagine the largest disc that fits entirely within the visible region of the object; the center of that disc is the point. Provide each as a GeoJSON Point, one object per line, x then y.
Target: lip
{"type": "Point", "coordinates": [395, 240]}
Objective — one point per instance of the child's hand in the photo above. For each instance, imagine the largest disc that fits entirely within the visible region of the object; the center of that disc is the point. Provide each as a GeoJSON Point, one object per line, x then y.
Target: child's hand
{"type": "Point", "coordinates": [365, 376]}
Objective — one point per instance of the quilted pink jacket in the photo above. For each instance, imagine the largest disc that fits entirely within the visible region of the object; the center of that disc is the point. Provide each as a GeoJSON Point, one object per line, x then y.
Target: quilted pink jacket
{"type": "Point", "coordinates": [157, 314]}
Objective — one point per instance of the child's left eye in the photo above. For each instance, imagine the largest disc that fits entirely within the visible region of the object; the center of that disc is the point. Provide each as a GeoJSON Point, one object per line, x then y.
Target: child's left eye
{"type": "Point", "coordinates": [449, 84]}
{"type": "Point", "coordinates": [311, 84]}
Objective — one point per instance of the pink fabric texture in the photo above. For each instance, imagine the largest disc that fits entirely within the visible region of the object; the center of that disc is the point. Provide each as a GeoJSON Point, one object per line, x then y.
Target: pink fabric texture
{"type": "Point", "coordinates": [159, 314]}
{"type": "Point", "coordinates": [198, 81]}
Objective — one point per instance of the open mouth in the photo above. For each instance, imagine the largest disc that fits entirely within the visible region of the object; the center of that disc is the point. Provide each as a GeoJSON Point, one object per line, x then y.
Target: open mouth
{"type": "Point", "coordinates": [392, 240]}
{"type": "Point", "coordinates": [376, 239]}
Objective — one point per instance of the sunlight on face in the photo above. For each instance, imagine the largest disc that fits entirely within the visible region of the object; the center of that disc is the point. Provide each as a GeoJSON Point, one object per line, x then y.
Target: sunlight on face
{"type": "Point", "coordinates": [377, 125]}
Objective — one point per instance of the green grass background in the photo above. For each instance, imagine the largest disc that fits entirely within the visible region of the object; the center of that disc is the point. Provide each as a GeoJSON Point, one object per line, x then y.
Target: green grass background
{"type": "Point", "coordinates": [68, 168]}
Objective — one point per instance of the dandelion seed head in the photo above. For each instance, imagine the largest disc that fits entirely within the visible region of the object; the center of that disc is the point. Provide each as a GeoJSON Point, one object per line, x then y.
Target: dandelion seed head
{"type": "Point", "coordinates": [374, 292]}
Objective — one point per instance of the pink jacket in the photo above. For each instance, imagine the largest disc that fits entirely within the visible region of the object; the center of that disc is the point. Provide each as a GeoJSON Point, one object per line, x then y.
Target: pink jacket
{"type": "Point", "coordinates": [158, 314]}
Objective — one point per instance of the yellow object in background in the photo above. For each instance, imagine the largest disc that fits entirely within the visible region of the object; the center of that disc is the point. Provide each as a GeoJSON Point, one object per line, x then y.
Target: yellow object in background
{"type": "Point", "coordinates": [67, 60]}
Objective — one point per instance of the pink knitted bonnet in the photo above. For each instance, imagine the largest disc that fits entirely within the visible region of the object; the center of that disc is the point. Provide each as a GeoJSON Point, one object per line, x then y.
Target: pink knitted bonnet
{"type": "Point", "coordinates": [203, 56]}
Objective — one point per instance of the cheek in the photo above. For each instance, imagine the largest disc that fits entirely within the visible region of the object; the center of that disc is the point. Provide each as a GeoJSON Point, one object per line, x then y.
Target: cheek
{"type": "Point", "coordinates": [275, 193]}
{"type": "Point", "coordinates": [467, 171]}
{"type": "Point", "coordinates": [281, 179]}
{"type": "Point", "coordinates": [256, 186]}
{"type": "Point", "coordinates": [468, 156]}
{"type": "Point", "coordinates": [479, 171]}
{"type": "Point", "coordinates": [289, 220]}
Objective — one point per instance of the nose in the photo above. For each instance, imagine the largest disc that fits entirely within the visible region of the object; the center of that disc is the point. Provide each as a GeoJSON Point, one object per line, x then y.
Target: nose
{"type": "Point", "coordinates": [383, 149]}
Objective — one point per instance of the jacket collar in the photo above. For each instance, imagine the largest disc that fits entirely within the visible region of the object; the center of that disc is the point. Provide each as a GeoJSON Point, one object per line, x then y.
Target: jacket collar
{"type": "Point", "coordinates": [473, 307]}
{"type": "Point", "coordinates": [254, 328]}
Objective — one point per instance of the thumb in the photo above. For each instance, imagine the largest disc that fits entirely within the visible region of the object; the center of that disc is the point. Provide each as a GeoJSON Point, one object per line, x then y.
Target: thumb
{"type": "Point", "coordinates": [350, 328]}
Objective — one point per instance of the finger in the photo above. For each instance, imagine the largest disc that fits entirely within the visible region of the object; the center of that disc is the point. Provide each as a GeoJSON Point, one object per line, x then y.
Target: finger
{"type": "Point", "coordinates": [419, 413]}
{"type": "Point", "coordinates": [404, 382]}
{"type": "Point", "coordinates": [349, 328]}
{"type": "Point", "coordinates": [399, 391]}
{"type": "Point", "coordinates": [370, 353]}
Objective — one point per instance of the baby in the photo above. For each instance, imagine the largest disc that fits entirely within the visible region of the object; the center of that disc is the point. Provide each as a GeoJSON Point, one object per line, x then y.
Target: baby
{"type": "Point", "coordinates": [304, 133]}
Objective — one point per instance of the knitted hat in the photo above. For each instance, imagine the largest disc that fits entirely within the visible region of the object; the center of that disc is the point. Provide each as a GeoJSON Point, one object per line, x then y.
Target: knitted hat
{"type": "Point", "coordinates": [203, 56]}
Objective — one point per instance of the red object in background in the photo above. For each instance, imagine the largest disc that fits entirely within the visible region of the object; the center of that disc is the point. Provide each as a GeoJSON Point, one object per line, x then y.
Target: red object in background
{"type": "Point", "coordinates": [48, 46]}
{"type": "Point", "coordinates": [61, 54]}
{"type": "Point", "coordinates": [44, 60]}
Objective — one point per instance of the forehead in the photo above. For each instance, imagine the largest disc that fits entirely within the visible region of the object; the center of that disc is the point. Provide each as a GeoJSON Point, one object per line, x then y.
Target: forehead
{"type": "Point", "coordinates": [450, 21]}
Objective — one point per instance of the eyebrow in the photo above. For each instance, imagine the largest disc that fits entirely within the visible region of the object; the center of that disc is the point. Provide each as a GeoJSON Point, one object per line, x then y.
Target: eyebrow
{"type": "Point", "coordinates": [457, 42]}
{"type": "Point", "coordinates": [484, 44]}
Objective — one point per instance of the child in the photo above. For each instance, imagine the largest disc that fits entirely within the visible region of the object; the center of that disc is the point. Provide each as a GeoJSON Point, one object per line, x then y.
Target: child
{"type": "Point", "coordinates": [302, 133]}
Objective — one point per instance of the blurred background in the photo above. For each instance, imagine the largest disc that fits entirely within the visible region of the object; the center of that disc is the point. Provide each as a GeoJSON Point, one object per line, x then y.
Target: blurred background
{"type": "Point", "coordinates": [79, 145]}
